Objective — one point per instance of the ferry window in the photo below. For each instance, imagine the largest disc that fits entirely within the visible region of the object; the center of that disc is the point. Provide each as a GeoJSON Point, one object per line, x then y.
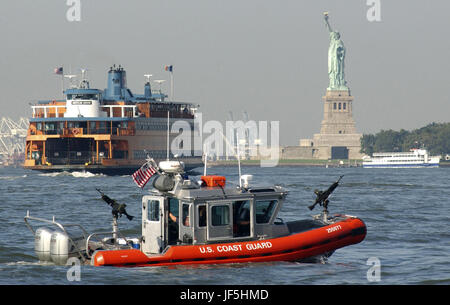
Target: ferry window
{"type": "Point", "coordinates": [102, 127]}
{"type": "Point", "coordinates": [153, 210]}
{"type": "Point", "coordinates": [202, 215]}
{"type": "Point", "coordinates": [220, 215]}
{"type": "Point", "coordinates": [83, 96]}
{"type": "Point", "coordinates": [185, 215]}
{"type": "Point", "coordinates": [264, 210]}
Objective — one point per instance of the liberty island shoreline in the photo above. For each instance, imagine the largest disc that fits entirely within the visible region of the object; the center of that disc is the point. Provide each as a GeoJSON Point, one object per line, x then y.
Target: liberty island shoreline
{"type": "Point", "coordinates": [300, 163]}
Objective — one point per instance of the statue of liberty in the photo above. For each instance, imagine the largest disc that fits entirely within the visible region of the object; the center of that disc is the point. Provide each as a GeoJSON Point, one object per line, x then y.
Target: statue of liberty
{"type": "Point", "coordinates": [336, 55]}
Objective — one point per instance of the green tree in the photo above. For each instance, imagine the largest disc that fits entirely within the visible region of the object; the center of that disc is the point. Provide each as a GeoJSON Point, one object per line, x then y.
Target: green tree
{"type": "Point", "coordinates": [435, 137]}
{"type": "Point", "coordinates": [367, 144]}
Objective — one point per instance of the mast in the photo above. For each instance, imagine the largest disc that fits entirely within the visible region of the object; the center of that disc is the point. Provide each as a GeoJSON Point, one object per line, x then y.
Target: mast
{"type": "Point", "coordinates": [239, 161]}
{"type": "Point", "coordinates": [168, 132]}
{"type": "Point", "coordinates": [206, 160]}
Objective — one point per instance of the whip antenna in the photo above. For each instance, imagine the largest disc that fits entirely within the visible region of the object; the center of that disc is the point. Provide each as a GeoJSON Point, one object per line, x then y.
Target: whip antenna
{"type": "Point", "coordinates": [237, 155]}
{"type": "Point", "coordinates": [205, 154]}
{"type": "Point", "coordinates": [168, 134]}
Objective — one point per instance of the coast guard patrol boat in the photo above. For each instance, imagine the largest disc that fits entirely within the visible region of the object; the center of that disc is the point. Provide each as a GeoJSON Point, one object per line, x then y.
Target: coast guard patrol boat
{"type": "Point", "coordinates": [203, 222]}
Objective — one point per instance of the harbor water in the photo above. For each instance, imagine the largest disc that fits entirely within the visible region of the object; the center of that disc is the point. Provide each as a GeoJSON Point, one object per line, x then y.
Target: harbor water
{"type": "Point", "coordinates": [406, 211]}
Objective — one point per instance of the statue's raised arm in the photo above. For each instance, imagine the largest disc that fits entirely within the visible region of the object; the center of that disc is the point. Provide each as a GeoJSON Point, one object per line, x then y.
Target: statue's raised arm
{"type": "Point", "coordinates": [325, 17]}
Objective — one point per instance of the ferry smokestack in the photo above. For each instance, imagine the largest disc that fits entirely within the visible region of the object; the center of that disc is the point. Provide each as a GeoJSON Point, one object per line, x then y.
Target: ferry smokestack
{"type": "Point", "coordinates": [117, 83]}
{"type": "Point", "coordinates": [147, 91]}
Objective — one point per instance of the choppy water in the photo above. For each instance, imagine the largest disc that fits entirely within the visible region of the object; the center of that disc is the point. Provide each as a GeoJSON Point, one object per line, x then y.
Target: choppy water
{"type": "Point", "coordinates": [407, 213]}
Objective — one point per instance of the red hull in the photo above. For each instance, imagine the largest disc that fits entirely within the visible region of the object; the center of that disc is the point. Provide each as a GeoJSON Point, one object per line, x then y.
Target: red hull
{"type": "Point", "coordinates": [293, 247]}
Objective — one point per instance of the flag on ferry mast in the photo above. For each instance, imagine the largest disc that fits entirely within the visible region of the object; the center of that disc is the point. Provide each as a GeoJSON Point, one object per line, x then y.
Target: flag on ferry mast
{"type": "Point", "coordinates": [59, 70]}
{"type": "Point", "coordinates": [143, 175]}
{"type": "Point", "coordinates": [169, 68]}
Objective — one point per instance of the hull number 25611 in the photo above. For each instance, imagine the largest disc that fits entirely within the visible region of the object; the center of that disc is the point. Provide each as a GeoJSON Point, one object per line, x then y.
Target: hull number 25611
{"type": "Point", "coordinates": [333, 229]}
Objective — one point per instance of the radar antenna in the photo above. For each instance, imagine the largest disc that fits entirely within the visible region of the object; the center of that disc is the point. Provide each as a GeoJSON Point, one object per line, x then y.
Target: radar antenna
{"type": "Point", "coordinates": [147, 77]}
{"type": "Point", "coordinates": [159, 82]}
{"type": "Point", "coordinates": [71, 77]}
{"type": "Point", "coordinates": [84, 83]}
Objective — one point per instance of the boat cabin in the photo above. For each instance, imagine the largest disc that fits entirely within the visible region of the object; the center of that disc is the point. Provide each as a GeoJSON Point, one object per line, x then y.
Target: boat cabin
{"type": "Point", "coordinates": [193, 214]}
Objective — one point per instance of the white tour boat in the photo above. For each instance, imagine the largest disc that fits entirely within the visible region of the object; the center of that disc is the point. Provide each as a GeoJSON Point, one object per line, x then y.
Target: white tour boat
{"type": "Point", "coordinates": [415, 158]}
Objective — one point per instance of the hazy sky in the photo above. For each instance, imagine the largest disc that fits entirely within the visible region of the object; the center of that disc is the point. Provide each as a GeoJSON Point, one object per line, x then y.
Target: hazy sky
{"type": "Point", "coordinates": [268, 58]}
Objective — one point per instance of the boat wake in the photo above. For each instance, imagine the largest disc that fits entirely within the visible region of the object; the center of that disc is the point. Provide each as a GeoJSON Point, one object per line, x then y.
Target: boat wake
{"type": "Point", "coordinates": [52, 174]}
{"type": "Point", "coordinates": [12, 177]}
{"type": "Point", "coordinates": [81, 174]}
{"type": "Point", "coordinates": [84, 174]}
{"type": "Point", "coordinates": [25, 263]}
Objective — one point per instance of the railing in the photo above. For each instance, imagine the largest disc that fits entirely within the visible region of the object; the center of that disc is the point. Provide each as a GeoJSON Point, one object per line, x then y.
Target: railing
{"type": "Point", "coordinates": [27, 218]}
{"type": "Point", "coordinates": [73, 157]}
{"type": "Point", "coordinates": [83, 157]}
{"type": "Point", "coordinates": [177, 115]}
{"type": "Point", "coordinates": [83, 252]}
{"type": "Point", "coordinates": [75, 131]}
{"type": "Point", "coordinates": [105, 245]}
{"type": "Point", "coordinates": [48, 111]}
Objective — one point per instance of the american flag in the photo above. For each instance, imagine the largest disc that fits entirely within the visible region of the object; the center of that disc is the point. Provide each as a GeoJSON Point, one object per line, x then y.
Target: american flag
{"type": "Point", "coordinates": [59, 70]}
{"type": "Point", "coordinates": [143, 175]}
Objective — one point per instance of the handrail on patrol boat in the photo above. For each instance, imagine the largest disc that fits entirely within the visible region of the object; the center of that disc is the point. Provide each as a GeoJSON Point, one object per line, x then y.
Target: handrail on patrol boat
{"type": "Point", "coordinates": [102, 242]}
{"type": "Point", "coordinates": [57, 224]}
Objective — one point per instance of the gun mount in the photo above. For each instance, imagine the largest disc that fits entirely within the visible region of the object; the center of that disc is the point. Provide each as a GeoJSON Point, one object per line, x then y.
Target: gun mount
{"type": "Point", "coordinates": [118, 209]}
{"type": "Point", "coordinates": [322, 198]}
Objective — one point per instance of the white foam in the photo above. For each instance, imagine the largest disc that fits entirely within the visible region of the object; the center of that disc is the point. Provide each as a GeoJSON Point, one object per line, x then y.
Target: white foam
{"type": "Point", "coordinates": [81, 174]}
{"type": "Point", "coordinates": [84, 174]}
{"type": "Point", "coordinates": [23, 263]}
{"type": "Point", "coordinates": [12, 177]}
{"type": "Point", "coordinates": [52, 174]}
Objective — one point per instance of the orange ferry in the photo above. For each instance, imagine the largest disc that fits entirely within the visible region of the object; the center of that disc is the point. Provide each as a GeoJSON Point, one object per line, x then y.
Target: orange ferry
{"type": "Point", "coordinates": [107, 131]}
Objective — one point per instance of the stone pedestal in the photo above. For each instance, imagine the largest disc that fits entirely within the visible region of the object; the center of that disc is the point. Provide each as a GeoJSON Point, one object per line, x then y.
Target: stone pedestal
{"type": "Point", "coordinates": [337, 132]}
{"type": "Point", "coordinates": [337, 113]}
